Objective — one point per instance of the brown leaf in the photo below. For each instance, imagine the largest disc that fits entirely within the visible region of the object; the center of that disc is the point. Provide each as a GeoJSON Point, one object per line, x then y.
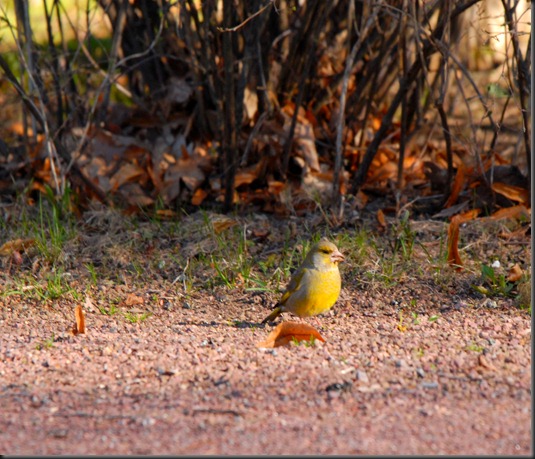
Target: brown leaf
{"type": "Point", "coordinates": [186, 170]}
{"type": "Point", "coordinates": [134, 195]}
{"type": "Point", "coordinates": [275, 187]}
{"type": "Point", "coordinates": [80, 319]}
{"type": "Point", "coordinates": [511, 212]}
{"type": "Point", "coordinates": [128, 172]}
{"type": "Point", "coordinates": [520, 234]}
{"type": "Point", "coordinates": [453, 237]}
{"type": "Point", "coordinates": [381, 218]}
{"type": "Point", "coordinates": [16, 257]}
{"type": "Point", "coordinates": [304, 138]}
{"type": "Point", "coordinates": [222, 223]}
{"type": "Point", "coordinates": [387, 170]}
{"type": "Point", "coordinates": [515, 273]}
{"type": "Point", "coordinates": [361, 199]}
{"type": "Point", "coordinates": [287, 332]}
{"type": "Point", "coordinates": [483, 362]}
{"type": "Point", "coordinates": [514, 193]}
{"type": "Point", "coordinates": [198, 196]}
{"type": "Point", "coordinates": [260, 233]}
{"type": "Point", "coordinates": [16, 245]}
{"type": "Point", "coordinates": [133, 299]}
{"type": "Point", "coordinates": [246, 176]}
{"type": "Point", "coordinates": [457, 187]}
{"type": "Point", "coordinates": [166, 214]}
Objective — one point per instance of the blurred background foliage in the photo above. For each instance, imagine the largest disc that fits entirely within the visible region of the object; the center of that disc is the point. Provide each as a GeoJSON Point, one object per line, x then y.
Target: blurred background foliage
{"type": "Point", "coordinates": [279, 89]}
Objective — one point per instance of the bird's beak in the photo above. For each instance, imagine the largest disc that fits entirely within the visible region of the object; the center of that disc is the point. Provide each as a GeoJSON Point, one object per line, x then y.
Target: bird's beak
{"type": "Point", "coordinates": [337, 257]}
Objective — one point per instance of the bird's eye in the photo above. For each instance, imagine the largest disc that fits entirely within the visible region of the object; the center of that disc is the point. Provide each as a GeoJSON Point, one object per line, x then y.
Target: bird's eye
{"type": "Point", "coordinates": [326, 251]}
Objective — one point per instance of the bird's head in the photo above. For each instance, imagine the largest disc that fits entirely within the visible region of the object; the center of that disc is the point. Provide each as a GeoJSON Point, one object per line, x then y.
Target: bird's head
{"type": "Point", "coordinates": [325, 253]}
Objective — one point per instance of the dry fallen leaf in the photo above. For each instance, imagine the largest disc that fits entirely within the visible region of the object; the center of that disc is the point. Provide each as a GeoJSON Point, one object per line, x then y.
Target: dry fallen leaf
{"type": "Point", "coordinates": [515, 193]}
{"type": "Point", "coordinates": [166, 214]}
{"type": "Point", "coordinates": [198, 197]}
{"type": "Point", "coordinates": [132, 300]}
{"type": "Point", "coordinates": [16, 245]}
{"type": "Point", "coordinates": [79, 326]}
{"type": "Point", "coordinates": [523, 233]}
{"type": "Point", "coordinates": [511, 212]}
{"type": "Point", "coordinates": [457, 187]}
{"type": "Point", "coordinates": [80, 319]}
{"type": "Point", "coordinates": [381, 219]}
{"type": "Point", "coordinates": [221, 223]}
{"type": "Point", "coordinates": [483, 362]}
{"type": "Point", "coordinates": [515, 273]}
{"type": "Point", "coordinates": [453, 237]}
{"type": "Point", "coordinates": [304, 138]}
{"type": "Point", "coordinates": [287, 332]}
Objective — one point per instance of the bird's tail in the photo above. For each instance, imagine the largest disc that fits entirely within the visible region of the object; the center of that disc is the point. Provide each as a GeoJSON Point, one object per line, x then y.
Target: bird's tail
{"type": "Point", "coordinates": [274, 314]}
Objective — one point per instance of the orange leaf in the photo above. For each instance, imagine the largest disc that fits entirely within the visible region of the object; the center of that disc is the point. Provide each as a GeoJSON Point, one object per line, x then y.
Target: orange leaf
{"type": "Point", "coordinates": [511, 212]}
{"type": "Point", "coordinates": [386, 171]}
{"type": "Point", "coordinates": [457, 187]}
{"type": "Point", "coordinates": [515, 193]}
{"type": "Point", "coordinates": [453, 237]}
{"type": "Point", "coordinates": [198, 197]}
{"type": "Point", "coordinates": [246, 176]}
{"type": "Point", "coordinates": [376, 123]}
{"type": "Point", "coordinates": [80, 320]}
{"type": "Point", "coordinates": [275, 187]}
{"type": "Point", "coordinates": [166, 214]}
{"type": "Point", "coordinates": [287, 332]}
{"type": "Point", "coordinates": [381, 218]}
{"type": "Point", "coordinates": [515, 273]}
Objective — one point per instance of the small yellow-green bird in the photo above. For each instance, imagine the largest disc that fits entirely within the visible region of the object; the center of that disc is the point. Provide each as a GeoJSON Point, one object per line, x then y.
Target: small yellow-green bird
{"type": "Point", "coordinates": [315, 286]}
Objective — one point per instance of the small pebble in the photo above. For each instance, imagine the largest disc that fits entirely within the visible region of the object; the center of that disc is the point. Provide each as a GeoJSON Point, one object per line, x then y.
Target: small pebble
{"type": "Point", "coordinates": [429, 385]}
{"type": "Point", "coordinates": [59, 433]}
{"type": "Point", "coordinates": [363, 376]}
{"type": "Point", "coordinates": [146, 422]}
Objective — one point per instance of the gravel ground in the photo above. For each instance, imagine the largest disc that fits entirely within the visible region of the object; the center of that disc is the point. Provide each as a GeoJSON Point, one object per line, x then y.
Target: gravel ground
{"type": "Point", "coordinates": [451, 377]}
{"type": "Point", "coordinates": [185, 381]}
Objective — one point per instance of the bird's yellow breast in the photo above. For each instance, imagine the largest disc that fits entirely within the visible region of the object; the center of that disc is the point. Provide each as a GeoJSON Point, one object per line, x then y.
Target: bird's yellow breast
{"type": "Point", "coordinates": [317, 293]}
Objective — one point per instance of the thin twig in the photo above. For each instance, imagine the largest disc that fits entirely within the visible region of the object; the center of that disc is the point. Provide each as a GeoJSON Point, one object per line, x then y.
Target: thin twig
{"type": "Point", "coordinates": [428, 49]}
{"type": "Point", "coordinates": [404, 108]}
{"type": "Point", "coordinates": [522, 76]}
{"type": "Point", "coordinates": [336, 198]}
{"type": "Point", "coordinates": [252, 136]}
{"type": "Point", "coordinates": [239, 26]}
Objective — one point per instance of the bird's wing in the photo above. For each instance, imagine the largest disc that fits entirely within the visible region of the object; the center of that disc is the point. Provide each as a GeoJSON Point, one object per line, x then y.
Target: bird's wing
{"type": "Point", "coordinates": [294, 285]}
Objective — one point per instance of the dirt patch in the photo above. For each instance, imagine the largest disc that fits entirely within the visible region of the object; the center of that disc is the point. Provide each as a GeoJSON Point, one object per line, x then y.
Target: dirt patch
{"type": "Point", "coordinates": [415, 362]}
